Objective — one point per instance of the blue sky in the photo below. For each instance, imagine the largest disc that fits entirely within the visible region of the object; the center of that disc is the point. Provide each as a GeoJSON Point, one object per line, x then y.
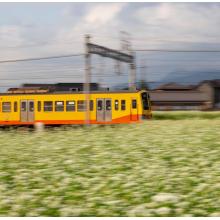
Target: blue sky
{"type": "Point", "coordinates": [47, 29]}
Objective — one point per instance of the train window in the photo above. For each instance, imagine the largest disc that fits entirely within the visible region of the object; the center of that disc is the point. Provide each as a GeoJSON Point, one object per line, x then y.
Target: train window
{"type": "Point", "coordinates": [48, 106]}
{"type": "Point", "coordinates": [23, 107]}
{"type": "Point", "coordinates": [15, 106]}
{"type": "Point", "coordinates": [91, 105]}
{"type": "Point", "coordinates": [59, 106]}
{"type": "Point", "coordinates": [70, 106]}
{"type": "Point", "coordinates": [74, 89]}
{"type": "Point", "coordinates": [39, 106]}
{"type": "Point", "coordinates": [6, 106]}
{"type": "Point", "coordinates": [31, 106]}
{"type": "Point", "coordinates": [81, 105]}
{"type": "Point", "coordinates": [134, 103]}
{"type": "Point", "coordinates": [116, 104]}
{"type": "Point", "coordinates": [99, 105]}
{"type": "Point", "coordinates": [108, 105]}
{"type": "Point", "coordinates": [123, 105]}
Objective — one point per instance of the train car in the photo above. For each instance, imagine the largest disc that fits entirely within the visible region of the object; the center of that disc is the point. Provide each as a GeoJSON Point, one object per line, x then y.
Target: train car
{"type": "Point", "coordinates": [107, 107]}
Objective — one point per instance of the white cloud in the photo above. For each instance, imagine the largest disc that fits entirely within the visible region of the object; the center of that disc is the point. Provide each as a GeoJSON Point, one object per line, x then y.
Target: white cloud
{"type": "Point", "coordinates": [182, 21]}
{"type": "Point", "coordinates": [101, 14]}
{"type": "Point", "coordinates": [185, 22]}
{"type": "Point", "coordinates": [10, 40]}
{"type": "Point", "coordinates": [150, 26]}
{"type": "Point", "coordinates": [10, 35]}
{"type": "Point", "coordinates": [100, 19]}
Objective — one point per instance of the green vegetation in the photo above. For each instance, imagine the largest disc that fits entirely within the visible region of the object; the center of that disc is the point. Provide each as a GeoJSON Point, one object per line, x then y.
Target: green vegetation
{"type": "Point", "coordinates": [155, 168]}
{"type": "Point", "coordinates": [180, 115]}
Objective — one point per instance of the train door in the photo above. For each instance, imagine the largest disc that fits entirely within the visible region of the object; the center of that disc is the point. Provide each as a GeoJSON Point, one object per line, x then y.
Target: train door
{"type": "Point", "coordinates": [108, 109]}
{"type": "Point", "coordinates": [100, 112]}
{"type": "Point", "coordinates": [134, 109]}
{"type": "Point", "coordinates": [104, 110]}
{"type": "Point", "coordinates": [27, 111]}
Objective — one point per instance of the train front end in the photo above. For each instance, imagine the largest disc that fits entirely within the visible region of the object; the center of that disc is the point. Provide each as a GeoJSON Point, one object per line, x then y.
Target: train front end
{"type": "Point", "coordinates": [146, 105]}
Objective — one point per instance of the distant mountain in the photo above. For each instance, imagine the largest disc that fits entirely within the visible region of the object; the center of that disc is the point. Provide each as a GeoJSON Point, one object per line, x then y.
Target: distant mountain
{"type": "Point", "coordinates": [182, 77]}
{"type": "Point", "coordinates": [120, 86]}
{"type": "Point", "coordinates": [191, 77]}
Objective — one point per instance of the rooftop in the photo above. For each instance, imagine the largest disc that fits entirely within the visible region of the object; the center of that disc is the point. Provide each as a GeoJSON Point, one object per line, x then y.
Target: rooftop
{"type": "Point", "coordinates": [178, 96]}
{"type": "Point", "coordinates": [214, 82]}
{"type": "Point", "coordinates": [174, 86]}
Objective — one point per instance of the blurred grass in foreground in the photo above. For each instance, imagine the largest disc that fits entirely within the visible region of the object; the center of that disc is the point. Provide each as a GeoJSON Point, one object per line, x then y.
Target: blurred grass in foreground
{"type": "Point", "coordinates": [155, 168]}
{"type": "Point", "coordinates": [180, 115]}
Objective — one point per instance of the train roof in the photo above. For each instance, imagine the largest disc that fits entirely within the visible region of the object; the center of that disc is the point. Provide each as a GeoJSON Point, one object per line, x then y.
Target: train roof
{"type": "Point", "coordinates": [68, 92]}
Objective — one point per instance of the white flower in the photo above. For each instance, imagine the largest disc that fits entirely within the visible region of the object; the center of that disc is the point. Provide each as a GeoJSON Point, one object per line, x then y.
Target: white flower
{"type": "Point", "coordinates": [165, 197]}
{"type": "Point", "coordinates": [163, 211]}
{"type": "Point", "coordinates": [216, 186]}
{"type": "Point", "coordinates": [68, 211]}
{"type": "Point", "coordinates": [179, 211]}
{"type": "Point", "coordinates": [112, 202]}
{"type": "Point", "coordinates": [183, 204]}
{"type": "Point", "coordinates": [140, 210]}
{"type": "Point", "coordinates": [13, 214]}
{"type": "Point", "coordinates": [201, 187]}
{"type": "Point", "coordinates": [187, 215]}
{"type": "Point", "coordinates": [46, 175]}
{"type": "Point", "coordinates": [32, 214]}
{"type": "Point", "coordinates": [6, 201]}
{"type": "Point", "coordinates": [215, 214]}
{"type": "Point", "coordinates": [68, 162]}
{"type": "Point", "coordinates": [16, 207]}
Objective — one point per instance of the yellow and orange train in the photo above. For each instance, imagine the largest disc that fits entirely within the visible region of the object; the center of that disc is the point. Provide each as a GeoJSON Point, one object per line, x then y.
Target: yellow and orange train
{"type": "Point", "coordinates": [69, 108]}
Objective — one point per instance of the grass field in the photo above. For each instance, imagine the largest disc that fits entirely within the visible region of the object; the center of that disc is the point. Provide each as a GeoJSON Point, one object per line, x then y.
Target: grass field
{"type": "Point", "coordinates": [156, 168]}
{"type": "Point", "coordinates": [180, 115]}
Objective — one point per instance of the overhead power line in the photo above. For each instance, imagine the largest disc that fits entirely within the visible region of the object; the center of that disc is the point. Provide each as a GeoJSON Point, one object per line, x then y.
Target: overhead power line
{"type": "Point", "coordinates": [40, 58]}
{"type": "Point", "coordinates": [177, 51]}
{"type": "Point", "coordinates": [40, 44]}
{"type": "Point", "coordinates": [81, 54]}
{"type": "Point", "coordinates": [56, 77]}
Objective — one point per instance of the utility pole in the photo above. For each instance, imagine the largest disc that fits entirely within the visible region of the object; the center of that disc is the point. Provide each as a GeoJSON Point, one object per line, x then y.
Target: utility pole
{"type": "Point", "coordinates": [127, 48]}
{"type": "Point", "coordinates": [101, 71]}
{"type": "Point", "coordinates": [132, 80]}
{"type": "Point", "coordinates": [105, 52]}
{"type": "Point", "coordinates": [125, 41]}
{"type": "Point", "coordinates": [143, 73]}
{"type": "Point", "coordinates": [86, 86]}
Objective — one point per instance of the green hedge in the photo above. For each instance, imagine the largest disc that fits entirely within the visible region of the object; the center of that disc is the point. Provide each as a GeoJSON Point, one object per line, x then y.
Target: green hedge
{"type": "Point", "coordinates": [180, 115]}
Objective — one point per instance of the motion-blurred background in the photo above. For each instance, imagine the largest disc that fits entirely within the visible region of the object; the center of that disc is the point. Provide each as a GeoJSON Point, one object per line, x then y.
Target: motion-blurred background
{"type": "Point", "coordinates": [176, 46]}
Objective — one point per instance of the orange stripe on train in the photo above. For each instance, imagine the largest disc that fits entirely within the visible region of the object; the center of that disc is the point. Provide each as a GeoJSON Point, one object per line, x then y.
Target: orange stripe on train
{"type": "Point", "coordinates": [124, 119]}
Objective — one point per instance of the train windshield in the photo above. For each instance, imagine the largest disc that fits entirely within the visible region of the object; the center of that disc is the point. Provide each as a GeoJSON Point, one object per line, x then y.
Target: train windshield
{"type": "Point", "coordinates": [145, 97]}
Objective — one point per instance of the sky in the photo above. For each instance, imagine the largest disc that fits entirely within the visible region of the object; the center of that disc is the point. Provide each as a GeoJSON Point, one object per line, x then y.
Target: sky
{"type": "Point", "coordinates": [50, 29]}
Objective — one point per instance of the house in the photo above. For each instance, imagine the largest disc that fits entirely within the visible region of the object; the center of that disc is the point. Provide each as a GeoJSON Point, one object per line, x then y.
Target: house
{"type": "Point", "coordinates": [212, 89]}
{"type": "Point", "coordinates": [174, 87]}
{"type": "Point", "coordinates": [173, 96]}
